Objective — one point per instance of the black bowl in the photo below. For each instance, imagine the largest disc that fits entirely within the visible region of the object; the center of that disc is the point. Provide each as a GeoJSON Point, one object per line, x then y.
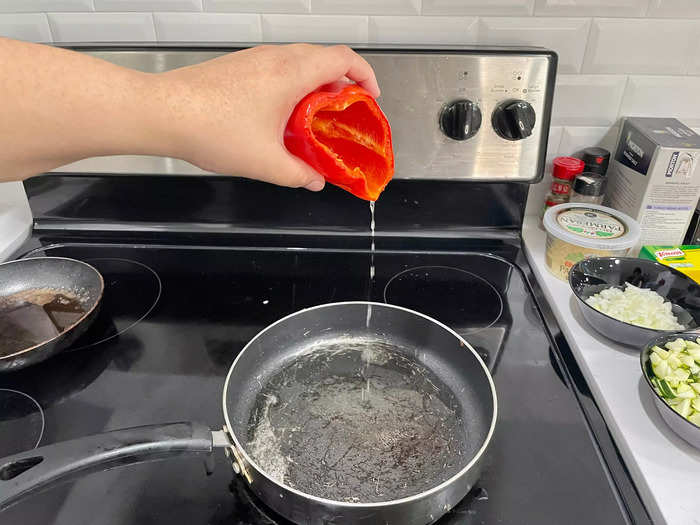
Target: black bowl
{"type": "Point", "coordinates": [590, 276]}
{"type": "Point", "coordinates": [680, 425]}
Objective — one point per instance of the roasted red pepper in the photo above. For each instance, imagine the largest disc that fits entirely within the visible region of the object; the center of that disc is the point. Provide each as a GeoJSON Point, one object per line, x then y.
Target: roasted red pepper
{"type": "Point", "coordinates": [342, 133]}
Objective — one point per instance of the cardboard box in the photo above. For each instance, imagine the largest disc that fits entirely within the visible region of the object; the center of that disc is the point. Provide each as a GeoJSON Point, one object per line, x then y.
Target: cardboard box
{"type": "Point", "coordinates": [654, 177]}
{"type": "Point", "coordinates": [684, 258]}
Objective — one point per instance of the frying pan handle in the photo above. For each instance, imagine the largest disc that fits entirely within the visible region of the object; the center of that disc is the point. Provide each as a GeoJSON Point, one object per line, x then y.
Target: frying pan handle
{"type": "Point", "coordinates": [35, 470]}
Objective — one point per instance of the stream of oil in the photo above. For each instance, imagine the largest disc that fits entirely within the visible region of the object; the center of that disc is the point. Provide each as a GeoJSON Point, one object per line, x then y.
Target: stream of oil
{"type": "Point", "coordinates": [366, 357]}
{"type": "Point", "coordinates": [372, 225]}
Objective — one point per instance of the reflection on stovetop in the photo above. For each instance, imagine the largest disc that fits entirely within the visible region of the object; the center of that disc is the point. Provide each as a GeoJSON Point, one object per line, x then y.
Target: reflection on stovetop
{"type": "Point", "coordinates": [542, 466]}
{"type": "Point", "coordinates": [466, 302]}
{"type": "Point", "coordinates": [250, 509]}
{"type": "Point", "coordinates": [22, 422]}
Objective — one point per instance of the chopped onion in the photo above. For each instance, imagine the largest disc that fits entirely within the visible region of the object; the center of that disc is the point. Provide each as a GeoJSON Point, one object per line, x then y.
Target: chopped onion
{"type": "Point", "coordinates": [638, 306]}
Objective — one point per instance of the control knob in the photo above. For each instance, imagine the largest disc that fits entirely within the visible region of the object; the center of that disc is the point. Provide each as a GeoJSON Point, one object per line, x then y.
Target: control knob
{"type": "Point", "coordinates": [460, 119]}
{"type": "Point", "coordinates": [513, 119]}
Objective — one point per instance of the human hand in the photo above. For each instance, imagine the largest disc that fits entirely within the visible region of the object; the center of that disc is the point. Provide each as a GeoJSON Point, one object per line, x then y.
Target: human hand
{"type": "Point", "coordinates": [228, 115]}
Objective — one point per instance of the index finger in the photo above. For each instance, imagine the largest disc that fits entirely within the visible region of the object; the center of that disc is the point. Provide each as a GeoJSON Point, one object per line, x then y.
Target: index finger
{"type": "Point", "coordinates": [347, 62]}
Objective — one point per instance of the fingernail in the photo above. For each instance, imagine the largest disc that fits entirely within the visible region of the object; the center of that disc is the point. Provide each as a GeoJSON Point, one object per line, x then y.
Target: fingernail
{"type": "Point", "coordinates": [315, 185]}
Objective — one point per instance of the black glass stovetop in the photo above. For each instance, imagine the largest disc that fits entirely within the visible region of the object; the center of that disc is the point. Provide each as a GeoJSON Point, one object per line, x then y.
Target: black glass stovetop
{"type": "Point", "coordinates": [172, 322]}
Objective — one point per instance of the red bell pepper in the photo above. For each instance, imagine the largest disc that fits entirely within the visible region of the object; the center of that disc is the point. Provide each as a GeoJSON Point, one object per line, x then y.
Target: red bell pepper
{"type": "Point", "coordinates": [342, 133]}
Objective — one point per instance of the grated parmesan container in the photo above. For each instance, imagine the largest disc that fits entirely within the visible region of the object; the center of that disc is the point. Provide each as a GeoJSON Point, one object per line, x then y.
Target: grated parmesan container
{"type": "Point", "coordinates": [577, 231]}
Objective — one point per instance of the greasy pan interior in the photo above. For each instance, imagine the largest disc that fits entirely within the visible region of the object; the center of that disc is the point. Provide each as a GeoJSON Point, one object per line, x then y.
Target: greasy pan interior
{"type": "Point", "coordinates": [37, 281]}
{"type": "Point", "coordinates": [385, 405]}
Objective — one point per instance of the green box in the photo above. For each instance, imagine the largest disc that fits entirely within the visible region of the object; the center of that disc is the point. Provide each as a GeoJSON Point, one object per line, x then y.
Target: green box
{"type": "Point", "coordinates": [684, 258]}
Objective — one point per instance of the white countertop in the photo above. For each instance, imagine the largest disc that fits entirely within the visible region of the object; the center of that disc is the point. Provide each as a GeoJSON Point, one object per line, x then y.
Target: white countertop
{"type": "Point", "coordinates": [665, 469]}
{"type": "Point", "coordinates": [15, 218]}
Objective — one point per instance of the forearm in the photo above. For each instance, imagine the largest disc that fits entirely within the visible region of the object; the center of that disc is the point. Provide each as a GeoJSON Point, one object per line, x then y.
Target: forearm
{"type": "Point", "coordinates": [225, 115]}
{"type": "Point", "coordinates": [60, 106]}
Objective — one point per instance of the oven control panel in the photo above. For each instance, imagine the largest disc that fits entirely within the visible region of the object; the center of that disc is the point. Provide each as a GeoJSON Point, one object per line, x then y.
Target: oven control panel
{"type": "Point", "coordinates": [477, 114]}
{"type": "Point", "coordinates": [464, 113]}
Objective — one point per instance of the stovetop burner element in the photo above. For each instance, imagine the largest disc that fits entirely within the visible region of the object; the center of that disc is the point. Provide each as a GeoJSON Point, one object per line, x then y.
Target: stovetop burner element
{"type": "Point", "coordinates": [460, 299]}
{"type": "Point", "coordinates": [21, 422]}
{"type": "Point", "coordinates": [172, 368]}
{"type": "Point", "coordinates": [132, 290]}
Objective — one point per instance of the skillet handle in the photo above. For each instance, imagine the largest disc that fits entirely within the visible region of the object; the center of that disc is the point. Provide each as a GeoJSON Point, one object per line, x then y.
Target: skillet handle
{"type": "Point", "coordinates": [35, 470]}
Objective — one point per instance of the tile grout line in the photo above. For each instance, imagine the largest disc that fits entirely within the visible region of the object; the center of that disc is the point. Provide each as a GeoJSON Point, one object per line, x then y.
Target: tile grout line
{"type": "Point", "coordinates": [51, 31]}
{"type": "Point", "coordinates": [155, 27]}
{"type": "Point", "coordinates": [591, 21]}
{"type": "Point", "coordinates": [622, 98]}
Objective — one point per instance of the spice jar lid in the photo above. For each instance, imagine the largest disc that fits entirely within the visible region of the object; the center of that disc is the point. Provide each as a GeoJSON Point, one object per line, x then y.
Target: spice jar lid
{"type": "Point", "coordinates": [596, 160]}
{"type": "Point", "coordinates": [589, 184]}
{"type": "Point", "coordinates": [566, 168]}
{"type": "Point", "coordinates": [591, 226]}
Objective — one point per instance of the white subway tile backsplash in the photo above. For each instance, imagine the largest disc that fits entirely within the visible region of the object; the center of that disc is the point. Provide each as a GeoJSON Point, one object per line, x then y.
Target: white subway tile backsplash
{"type": "Point", "coordinates": [694, 62]}
{"type": "Point", "coordinates": [591, 7]}
{"type": "Point", "coordinates": [640, 46]}
{"type": "Point", "coordinates": [366, 7]}
{"type": "Point", "coordinates": [674, 8]}
{"type": "Point", "coordinates": [574, 139]}
{"type": "Point", "coordinates": [587, 100]}
{"type": "Point", "coordinates": [258, 6]}
{"type": "Point", "coordinates": [315, 28]}
{"type": "Point", "coordinates": [148, 5]}
{"type": "Point", "coordinates": [422, 30]}
{"type": "Point", "coordinates": [208, 27]}
{"type": "Point", "coordinates": [39, 6]}
{"type": "Point", "coordinates": [566, 36]}
{"type": "Point", "coordinates": [102, 27]}
{"type": "Point", "coordinates": [31, 27]}
{"type": "Point", "coordinates": [478, 7]}
{"type": "Point", "coordinates": [655, 96]}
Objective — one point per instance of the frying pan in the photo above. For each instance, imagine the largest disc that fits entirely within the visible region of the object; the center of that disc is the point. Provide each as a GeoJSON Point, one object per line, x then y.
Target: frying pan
{"type": "Point", "coordinates": [342, 413]}
{"type": "Point", "coordinates": [46, 303]}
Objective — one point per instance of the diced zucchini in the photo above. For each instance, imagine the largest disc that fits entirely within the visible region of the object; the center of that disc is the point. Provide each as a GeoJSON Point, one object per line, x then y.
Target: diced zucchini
{"type": "Point", "coordinates": [687, 360]}
{"type": "Point", "coordinates": [666, 390]}
{"type": "Point", "coordinates": [663, 354]}
{"type": "Point", "coordinates": [675, 375]}
{"type": "Point", "coordinates": [673, 361]}
{"type": "Point", "coordinates": [685, 392]}
{"type": "Point", "coordinates": [678, 345]}
{"type": "Point", "coordinates": [693, 352]}
{"type": "Point", "coordinates": [683, 408]}
{"type": "Point", "coordinates": [681, 375]}
{"type": "Point", "coordinates": [661, 370]}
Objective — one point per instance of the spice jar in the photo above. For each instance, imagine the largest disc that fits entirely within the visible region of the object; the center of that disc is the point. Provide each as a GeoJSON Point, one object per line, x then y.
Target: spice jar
{"type": "Point", "coordinates": [596, 160]}
{"type": "Point", "coordinates": [563, 172]}
{"type": "Point", "coordinates": [588, 187]}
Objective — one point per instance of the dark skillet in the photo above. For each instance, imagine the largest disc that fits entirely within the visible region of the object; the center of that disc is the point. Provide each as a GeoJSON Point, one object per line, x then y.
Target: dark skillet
{"type": "Point", "coordinates": [345, 413]}
{"type": "Point", "coordinates": [46, 303]}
